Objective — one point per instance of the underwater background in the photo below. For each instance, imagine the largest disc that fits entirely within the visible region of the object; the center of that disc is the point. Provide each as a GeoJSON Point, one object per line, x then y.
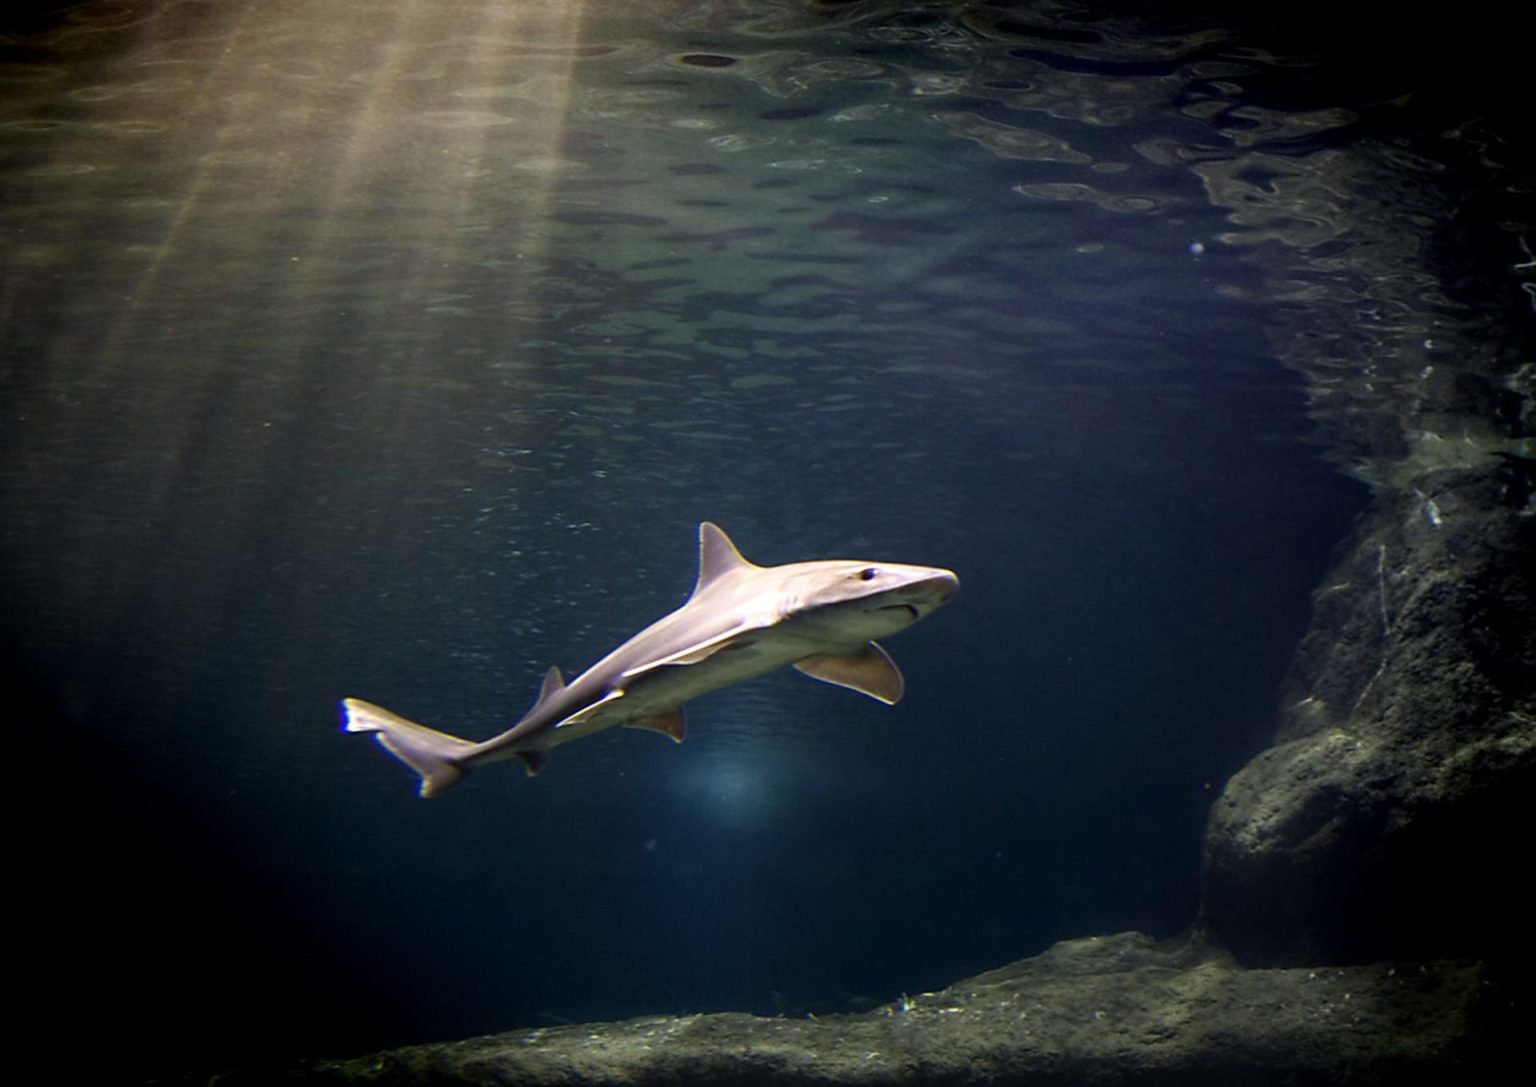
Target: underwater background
{"type": "Point", "coordinates": [396, 352]}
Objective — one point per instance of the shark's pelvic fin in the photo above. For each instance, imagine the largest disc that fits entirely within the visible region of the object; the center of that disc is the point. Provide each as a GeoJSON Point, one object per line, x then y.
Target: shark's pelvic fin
{"type": "Point", "coordinates": [869, 670]}
{"type": "Point", "coordinates": [717, 556]}
{"type": "Point", "coordinates": [668, 724]}
{"type": "Point", "coordinates": [432, 754]}
{"type": "Point", "coordinates": [534, 761]}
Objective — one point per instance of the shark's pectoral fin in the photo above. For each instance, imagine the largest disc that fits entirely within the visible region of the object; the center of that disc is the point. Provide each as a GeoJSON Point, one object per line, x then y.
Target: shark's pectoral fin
{"type": "Point", "coordinates": [668, 724]}
{"type": "Point", "coordinates": [869, 670]}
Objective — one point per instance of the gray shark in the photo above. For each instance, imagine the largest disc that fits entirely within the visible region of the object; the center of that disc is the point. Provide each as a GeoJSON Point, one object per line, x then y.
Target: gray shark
{"type": "Point", "coordinates": [741, 621]}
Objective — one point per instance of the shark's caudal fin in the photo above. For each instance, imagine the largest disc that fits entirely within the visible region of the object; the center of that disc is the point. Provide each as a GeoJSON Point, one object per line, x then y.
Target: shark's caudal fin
{"type": "Point", "coordinates": [432, 754]}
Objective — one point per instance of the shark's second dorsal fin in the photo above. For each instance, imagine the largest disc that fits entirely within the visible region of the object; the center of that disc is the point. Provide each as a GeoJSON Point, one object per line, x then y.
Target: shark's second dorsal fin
{"type": "Point", "coordinates": [717, 555]}
{"type": "Point", "coordinates": [551, 686]}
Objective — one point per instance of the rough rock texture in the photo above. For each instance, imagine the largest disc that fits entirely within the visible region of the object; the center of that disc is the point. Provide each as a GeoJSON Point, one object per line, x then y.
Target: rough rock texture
{"type": "Point", "coordinates": [1387, 820]}
{"type": "Point", "coordinates": [1103, 1010]}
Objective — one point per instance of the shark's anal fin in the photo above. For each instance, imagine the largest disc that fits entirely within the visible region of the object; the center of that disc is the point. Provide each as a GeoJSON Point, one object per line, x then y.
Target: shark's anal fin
{"type": "Point", "coordinates": [432, 754]}
{"type": "Point", "coordinates": [869, 670]}
{"type": "Point", "coordinates": [669, 724]}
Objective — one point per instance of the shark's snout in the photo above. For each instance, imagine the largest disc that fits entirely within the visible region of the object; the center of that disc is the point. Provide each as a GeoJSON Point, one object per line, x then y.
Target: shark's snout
{"type": "Point", "coordinates": [923, 594]}
{"type": "Point", "coordinates": [938, 588]}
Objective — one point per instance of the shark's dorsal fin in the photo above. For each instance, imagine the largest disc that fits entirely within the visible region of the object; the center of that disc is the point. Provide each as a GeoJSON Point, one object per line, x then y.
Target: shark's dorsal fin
{"type": "Point", "coordinates": [551, 686]}
{"type": "Point", "coordinates": [717, 556]}
{"type": "Point", "coordinates": [869, 670]}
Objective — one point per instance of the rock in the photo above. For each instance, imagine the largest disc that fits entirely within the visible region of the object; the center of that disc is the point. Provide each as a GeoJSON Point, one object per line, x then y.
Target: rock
{"type": "Point", "coordinates": [1384, 822]}
{"type": "Point", "coordinates": [1104, 1010]}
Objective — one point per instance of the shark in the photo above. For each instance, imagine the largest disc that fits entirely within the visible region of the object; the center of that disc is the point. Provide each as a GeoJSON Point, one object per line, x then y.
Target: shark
{"type": "Point", "coordinates": [741, 621]}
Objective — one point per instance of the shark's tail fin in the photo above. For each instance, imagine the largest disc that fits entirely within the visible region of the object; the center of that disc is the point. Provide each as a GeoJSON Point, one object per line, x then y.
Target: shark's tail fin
{"type": "Point", "coordinates": [432, 754]}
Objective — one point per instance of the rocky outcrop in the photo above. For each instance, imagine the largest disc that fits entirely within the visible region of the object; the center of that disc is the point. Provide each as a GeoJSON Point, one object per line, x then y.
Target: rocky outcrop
{"type": "Point", "coordinates": [1364, 914]}
{"type": "Point", "coordinates": [1381, 836]}
{"type": "Point", "coordinates": [1111, 1010]}
{"type": "Point", "coordinates": [1383, 823]}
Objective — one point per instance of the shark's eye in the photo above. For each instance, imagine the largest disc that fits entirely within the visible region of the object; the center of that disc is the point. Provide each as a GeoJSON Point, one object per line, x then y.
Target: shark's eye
{"type": "Point", "coordinates": [869, 573]}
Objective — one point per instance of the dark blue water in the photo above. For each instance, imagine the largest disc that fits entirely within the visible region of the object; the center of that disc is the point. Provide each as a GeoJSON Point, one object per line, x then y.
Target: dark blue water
{"type": "Point", "coordinates": [397, 354]}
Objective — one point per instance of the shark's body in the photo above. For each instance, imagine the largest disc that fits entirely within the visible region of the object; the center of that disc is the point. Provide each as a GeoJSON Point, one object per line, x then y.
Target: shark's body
{"type": "Point", "coordinates": [742, 620]}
